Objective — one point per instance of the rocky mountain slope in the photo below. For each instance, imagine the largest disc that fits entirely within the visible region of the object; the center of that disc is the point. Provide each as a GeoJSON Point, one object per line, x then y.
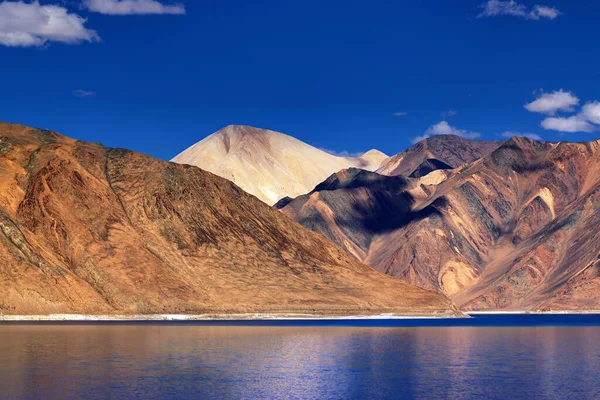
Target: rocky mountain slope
{"type": "Point", "coordinates": [351, 207]}
{"type": "Point", "coordinates": [92, 230]}
{"type": "Point", "coordinates": [436, 152]}
{"type": "Point", "coordinates": [514, 230]}
{"type": "Point", "coordinates": [268, 164]}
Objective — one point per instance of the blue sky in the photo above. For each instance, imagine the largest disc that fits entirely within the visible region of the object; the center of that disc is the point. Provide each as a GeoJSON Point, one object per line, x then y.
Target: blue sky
{"type": "Point", "coordinates": [158, 77]}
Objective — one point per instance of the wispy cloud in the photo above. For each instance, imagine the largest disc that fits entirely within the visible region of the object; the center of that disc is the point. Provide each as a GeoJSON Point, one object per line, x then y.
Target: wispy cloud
{"type": "Point", "coordinates": [551, 103]}
{"type": "Point", "coordinates": [443, 128]}
{"type": "Point", "coordinates": [545, 12]}
{"type": "Point", "coordinates": [342, 153]}
{"type": "Point", "coordinates": [494, 8]}
{"type": "Point", "coordinates": [82, 93]}
{"type": "Point", "coordinates": [532, 136]}
{"type": "Point", "coordinates": [33, 24]}
{"type": "Point", "coordinates": [448, 114]}
{"type": "Point", "coordinates": [133, 7]}
{"type": "Point", "coordinates": [400, 114]}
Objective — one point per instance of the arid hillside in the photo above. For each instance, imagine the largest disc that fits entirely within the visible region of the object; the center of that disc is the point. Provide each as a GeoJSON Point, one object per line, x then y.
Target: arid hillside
{"type": "Point", "coordinates": [92, 230]}
{"type": "Point", "coordinates": [515, 230]}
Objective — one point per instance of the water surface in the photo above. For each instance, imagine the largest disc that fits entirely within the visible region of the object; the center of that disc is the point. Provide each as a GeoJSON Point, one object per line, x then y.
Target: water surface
{"type": "Point", "coordinates": [308, 362]}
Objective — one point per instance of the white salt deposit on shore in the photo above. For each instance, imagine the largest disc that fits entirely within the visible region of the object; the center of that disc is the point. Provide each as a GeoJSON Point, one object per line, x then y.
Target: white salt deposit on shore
{"type": "Point", "coordinates": [209, 317]}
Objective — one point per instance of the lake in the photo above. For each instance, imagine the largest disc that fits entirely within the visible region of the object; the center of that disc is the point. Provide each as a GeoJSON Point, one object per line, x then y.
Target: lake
{"type": "Point", "coordinates": [551, 357]}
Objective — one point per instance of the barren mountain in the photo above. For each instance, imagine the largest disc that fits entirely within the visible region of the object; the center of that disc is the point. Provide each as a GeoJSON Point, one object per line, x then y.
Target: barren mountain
{"type": "Point", "coordinates": [268, 164]}
{"type": "Point", "coordinates": [88, 229]}
{"type": "Point", "coordinates": [515, 230]}
{"type": "Point", "coordinates": [436, 152]}
{"type": "Point", "coordinates": [351, 206]}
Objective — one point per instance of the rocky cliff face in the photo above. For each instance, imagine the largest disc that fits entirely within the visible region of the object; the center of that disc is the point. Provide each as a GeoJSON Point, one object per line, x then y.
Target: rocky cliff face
{"type": "Point", "coordinates": [87, 229]}
{"type": "Point", "coordinates": [268, 164]}
{"type": "Point", "coordinates": [514, 230]}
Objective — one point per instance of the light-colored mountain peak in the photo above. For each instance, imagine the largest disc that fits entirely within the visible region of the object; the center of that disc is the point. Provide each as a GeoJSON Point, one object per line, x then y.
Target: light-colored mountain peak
{"type": "Point", "coordinates": [269, 164]}
{"type": "Point", "coordinates": [374, 157]}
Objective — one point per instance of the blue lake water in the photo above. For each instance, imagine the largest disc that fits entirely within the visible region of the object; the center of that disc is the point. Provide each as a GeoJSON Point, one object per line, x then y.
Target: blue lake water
{"type": "Point", "coordinates": [495, 357]}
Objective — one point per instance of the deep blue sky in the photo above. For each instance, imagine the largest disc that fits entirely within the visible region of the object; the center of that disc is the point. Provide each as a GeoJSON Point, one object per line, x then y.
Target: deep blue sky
{"type": "Point", "coordinates": [331, 73]}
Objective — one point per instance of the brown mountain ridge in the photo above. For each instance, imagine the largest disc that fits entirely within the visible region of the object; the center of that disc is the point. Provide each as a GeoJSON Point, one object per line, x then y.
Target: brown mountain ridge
{"type": "Point", "coordinates": [513, 230]}
{"type": "Point", "coordinates": [436, 152]}
{"type": "Point", "coordinates": [91, 230]}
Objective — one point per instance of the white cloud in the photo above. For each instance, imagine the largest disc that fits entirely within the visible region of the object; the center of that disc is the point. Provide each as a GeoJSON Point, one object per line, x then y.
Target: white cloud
{"type": "Point", "coordinates": [571, 124]}
{"type": "Point", "coordinates": [565, 101]}
{"type": "Point", "coordinates": [494, 8]}
{"type": "Point", "coordinates": [132, 7]}
{"type": "Point", "coordinates": [443, 128]}
{"type": "Point", "coordinates": [545, 12]}
{"type": "Point", "coordinates": [400, 114]}
{"type": "Point", "coordinates": [550, 103]}
{"type": "Point", "coordinates": [33, 24]}
{"type": "Point", "coordinates": [591, 112]}
{"type": "Point", "coordinates": [532, 136]}
{"type": "Point", "coordinates": [82, 93]}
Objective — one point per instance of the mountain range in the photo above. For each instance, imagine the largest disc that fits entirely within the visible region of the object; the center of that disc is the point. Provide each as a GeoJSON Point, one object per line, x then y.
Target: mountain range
{"type": "Point", "coordinates": [485, 225]}
{"type": "Point", "coordinates": [93, 230]}
{"type": "Point", "coordinates": [494, 225]}
{"type": "Point", "coordinates": [515, 229]}
{"type": "Point", "coordinates": [434, 153]}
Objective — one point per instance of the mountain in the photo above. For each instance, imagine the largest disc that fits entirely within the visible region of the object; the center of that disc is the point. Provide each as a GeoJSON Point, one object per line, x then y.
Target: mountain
{"type": "Point", "coordinates": [351, 206]}
{"type": "Point", "coordinates": [268, 164]}
{"type": "Point", "coordinates": [92, 230]}
{"type": "Point", "coordinates": [514, 230]}
{"type": "Point", "coordinates": [436, 152]}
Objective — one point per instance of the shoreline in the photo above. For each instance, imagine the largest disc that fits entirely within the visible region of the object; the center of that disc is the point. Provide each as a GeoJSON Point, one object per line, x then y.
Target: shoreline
{"type": "Point", "coordinates": [217, 317]}
{"type": "Point", "coordinates": [273, 317]}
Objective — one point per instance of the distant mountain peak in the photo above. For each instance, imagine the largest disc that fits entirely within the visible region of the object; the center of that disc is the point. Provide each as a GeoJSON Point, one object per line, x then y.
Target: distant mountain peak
{"type": "Point", "coordinates": [374, 157]}
{"type": "Point", "coordinates": [269, 164]}
{"type": "Point", "coordinates": [373, 153]}
{"type": "Point", "coordinates": [450, 150]}
{"type": "Point", "coordinates": [242, 130]}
